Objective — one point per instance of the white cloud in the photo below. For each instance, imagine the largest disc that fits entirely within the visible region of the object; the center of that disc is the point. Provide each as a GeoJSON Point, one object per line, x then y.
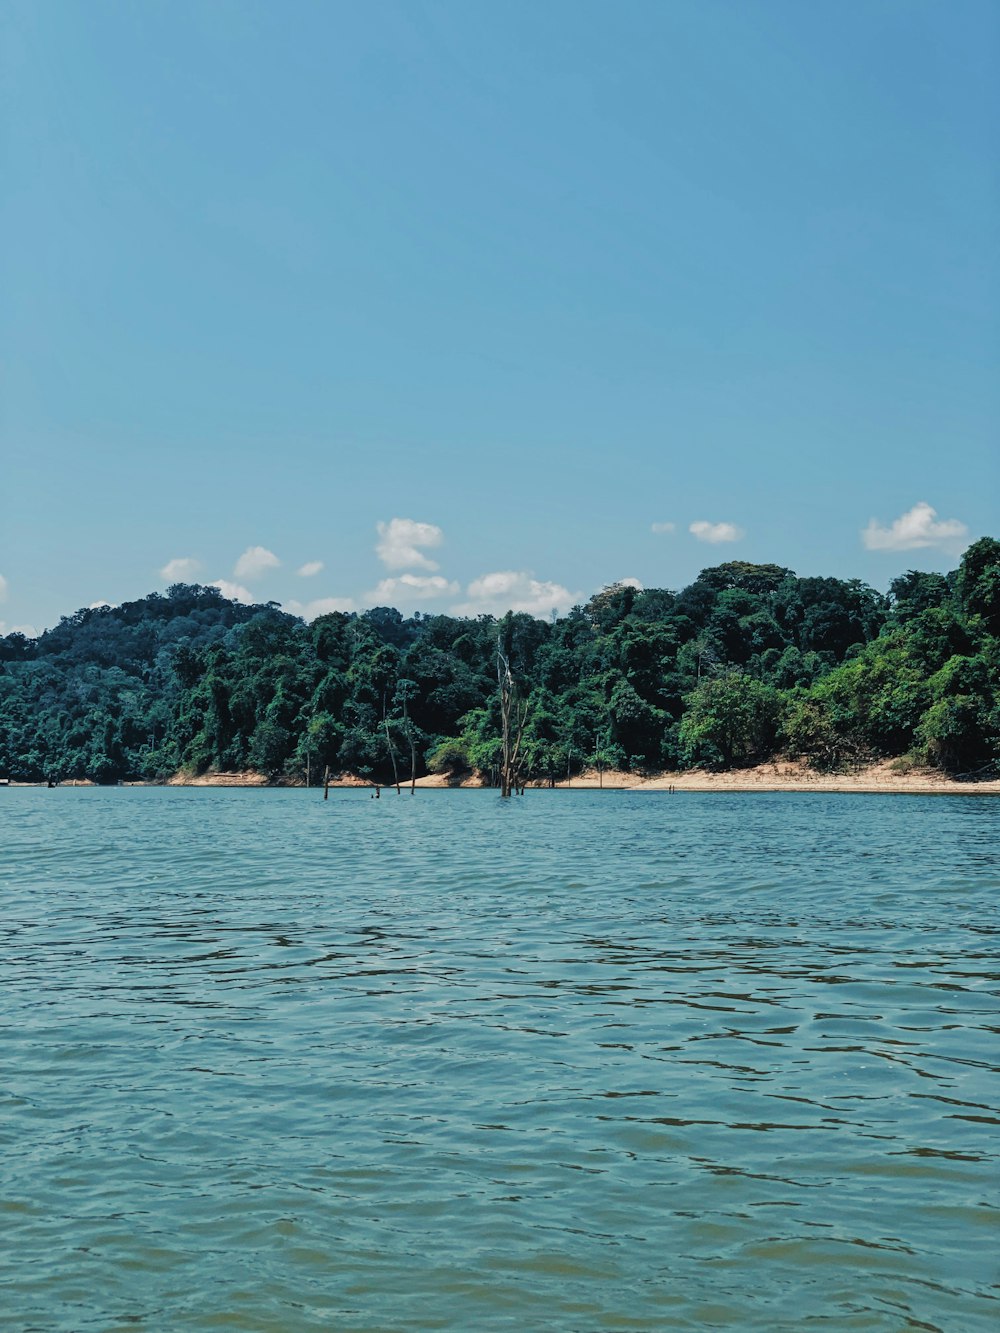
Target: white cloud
{"type": "Point", "coordinates": [716, 532]}
{"type": "Point", "coordinates": [254, 561]}
{"type": "Point", "coordinates": [514, 590]}
{"type": "Point", "coordinates": [234, 591]}
{"type": "Point", "coordinates": [663, 527]}
{"type": "Point", "coordinates": [630, 582]}
{"type": "Point", "coordinates": [309, 569]}
{"type": "Point", "coordinates": [28, 631]}
{"type": "Point", "coordinates": [918, 527]}
{"type": "Point", "coordinates": [423, 585]}
{"type": "Point", "coordinates": [180, 568]}
{"type": "Point", "coordinates": [399, 542]}
{"type": "Point", "coordinates": [96, 606]}
{"type": "Point", "coordinates": [3, 588]}
{"type": "Point", "coordinates": [322, 606]}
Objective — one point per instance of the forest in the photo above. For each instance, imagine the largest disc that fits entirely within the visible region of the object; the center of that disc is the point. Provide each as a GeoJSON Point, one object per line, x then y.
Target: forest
{"type": "Point", "coordinates": [747, 663]}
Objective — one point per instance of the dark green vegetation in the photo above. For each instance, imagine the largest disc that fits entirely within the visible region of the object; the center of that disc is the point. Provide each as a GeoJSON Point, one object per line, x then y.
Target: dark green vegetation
{"type": "Point", "coordinates": [748, 662]}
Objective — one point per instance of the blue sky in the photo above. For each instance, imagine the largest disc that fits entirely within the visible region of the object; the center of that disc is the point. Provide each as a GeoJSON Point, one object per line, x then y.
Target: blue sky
{"type": "Point", "coordinates": [516, 281]}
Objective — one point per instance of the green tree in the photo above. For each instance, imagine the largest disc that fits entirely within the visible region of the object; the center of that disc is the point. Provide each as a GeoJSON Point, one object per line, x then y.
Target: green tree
{"type": "Point", "coordinates": [730, 721]}
{"type": "Point", "coordinates": [978, 583]}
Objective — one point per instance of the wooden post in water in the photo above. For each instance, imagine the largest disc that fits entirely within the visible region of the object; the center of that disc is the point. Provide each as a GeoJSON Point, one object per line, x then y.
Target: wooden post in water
{"type": "Point", "coordinates": [326, 783]}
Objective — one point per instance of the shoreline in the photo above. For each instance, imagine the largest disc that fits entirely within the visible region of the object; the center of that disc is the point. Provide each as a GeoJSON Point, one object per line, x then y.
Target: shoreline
{"type": "Point", "coordinates": [779, 776]}
{"type": "Point", "coordinates": [772, 777]}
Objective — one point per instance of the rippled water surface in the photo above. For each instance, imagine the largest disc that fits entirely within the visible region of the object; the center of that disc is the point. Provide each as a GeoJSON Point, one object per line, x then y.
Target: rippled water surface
{"type": "Point", "coordinates": [579, 1061]}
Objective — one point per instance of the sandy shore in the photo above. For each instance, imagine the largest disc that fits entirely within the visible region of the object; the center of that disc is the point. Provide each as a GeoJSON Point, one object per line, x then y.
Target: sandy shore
{"type": "Point", "coordinates": [246, 778]}
{"type": "Point", "coordinates": [797, 777]}
{"type": "Point", "coordinates": [771, 777]}
{"type": "Point", "coordinates": [778, 776]}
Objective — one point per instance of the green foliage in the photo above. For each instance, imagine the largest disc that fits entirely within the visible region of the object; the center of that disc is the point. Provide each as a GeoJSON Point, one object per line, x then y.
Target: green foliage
{"type": "Point", "coordinates": [913, 593]}
{"type": "Point", "coordinates": [747, 660]}
{"type": "Point", "coordinates": [960, 731]}
{"type": "Point", "coordinates": [730, 722]}
{"type": "Point", "coordinates": [977, 586]}
{"type": "Point", "coordinates": [450, 756]}
{"type": "Point", "coordinates": [807, 731]}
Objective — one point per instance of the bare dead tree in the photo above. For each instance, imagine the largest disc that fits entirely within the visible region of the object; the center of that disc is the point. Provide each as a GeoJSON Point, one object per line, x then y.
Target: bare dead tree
{"type": "Point", "coordinates": [390, 746]}
{"type": "Point", "coordinates": [513, 716]}
{"type": "Point", "coordinates": [408, 728]}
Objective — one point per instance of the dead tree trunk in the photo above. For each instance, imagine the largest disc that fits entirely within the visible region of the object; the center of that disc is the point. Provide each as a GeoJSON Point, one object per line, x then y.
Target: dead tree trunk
{"type": "Point", "coordinates": [513, 716]}
{"type": "Point", "coordinates": [413, 747]}
{"type": "Point", "coordinates": [390, 747]}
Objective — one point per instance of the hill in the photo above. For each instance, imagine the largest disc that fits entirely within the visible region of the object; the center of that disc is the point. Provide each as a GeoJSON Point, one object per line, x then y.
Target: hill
{"type": "Point", "coordinates": [748, 662]}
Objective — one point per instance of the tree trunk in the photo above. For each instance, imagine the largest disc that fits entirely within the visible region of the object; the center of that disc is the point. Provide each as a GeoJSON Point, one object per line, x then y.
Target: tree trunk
{"type": "Point", "coordinates": [413, 748]}
{"type": "Point", "coordinates": [513, 717]}
{"type": "Point", "coordinates": [506, 690]}
{"type": "Point", "coordinates": [389, 745]}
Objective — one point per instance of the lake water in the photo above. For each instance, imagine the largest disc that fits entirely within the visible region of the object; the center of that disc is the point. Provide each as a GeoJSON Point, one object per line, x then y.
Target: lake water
{"type": "Point", "coordinates": [578, 1061]}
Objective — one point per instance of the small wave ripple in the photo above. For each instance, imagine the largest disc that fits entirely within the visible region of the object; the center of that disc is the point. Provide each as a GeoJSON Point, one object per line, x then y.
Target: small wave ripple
{"type": "Point", "coordinates": [574, 1062]}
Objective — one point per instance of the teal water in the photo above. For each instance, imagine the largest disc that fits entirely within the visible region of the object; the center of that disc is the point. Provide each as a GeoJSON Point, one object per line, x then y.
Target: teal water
{"type": "Point", "coordinates": [580, 1061]}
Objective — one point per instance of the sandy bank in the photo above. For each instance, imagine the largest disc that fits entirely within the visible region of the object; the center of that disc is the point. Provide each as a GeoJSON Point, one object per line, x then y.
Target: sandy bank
{"type": "Point", "coordinates": [789, 776]}
{"type": "Point", "coordinates": [246, 778]}
{"type": "Point", "coordinates": [766, 778]}
{"type": "Point", "coordinates": [446, 780]}
{"type": "Point", "coordinates": [781, 775]}
{"type": "Point", "coordinates": [251, 777]}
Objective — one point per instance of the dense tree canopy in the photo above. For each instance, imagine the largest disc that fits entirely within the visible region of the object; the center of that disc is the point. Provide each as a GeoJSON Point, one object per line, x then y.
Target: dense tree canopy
{"type": "Point", "coordinates": [747, 662]}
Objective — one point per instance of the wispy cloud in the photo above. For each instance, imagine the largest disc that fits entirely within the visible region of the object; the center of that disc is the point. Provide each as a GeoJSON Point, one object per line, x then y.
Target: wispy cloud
{"type": "Point", "coordinates": [409, 585]}
{"type": "Point", "coordinates": [513, 590]}
{"type": "Point", "coordinates": [180, 568]}
{"type": "Point", "coordinates": [918, 527]}
{"type": "Point", "coordinates": [399, 543]}
{"type": "Point", "coordinates": [254, 561]}
{"type": "Point", "coordinates": [321, 606]}
{"type": "Point", "coordinates": [715, 532]}
{"type": "Point", "coordinates": [310, 569]}
{"type": "Point", "coordinates": [4, 585]}
{"type": "Point", "coordinates": [234, 591]}
{"type": "Point", "coordinates": [663, 527]}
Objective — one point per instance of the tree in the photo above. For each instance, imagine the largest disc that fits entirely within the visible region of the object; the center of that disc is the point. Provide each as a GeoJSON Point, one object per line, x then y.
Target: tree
{"type": "Point", "coordinates": [913, 593]}
{"type": "Point", "coordinates": [190, 679]}
{"type": "Point", "coordinates": [513, 711]}
{"type": "Point", "coordinates": [732, 720]}
{"type": "Point", "coordinates": [405, 691]}
{"type": "Point", "coordinates": [978, 583]}
{"type": "Point", "coordinates": [270, 746]}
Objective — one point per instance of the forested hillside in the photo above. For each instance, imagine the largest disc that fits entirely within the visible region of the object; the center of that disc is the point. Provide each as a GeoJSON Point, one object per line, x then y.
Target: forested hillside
{"type": "Point", "coordinates": [747, 662]}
